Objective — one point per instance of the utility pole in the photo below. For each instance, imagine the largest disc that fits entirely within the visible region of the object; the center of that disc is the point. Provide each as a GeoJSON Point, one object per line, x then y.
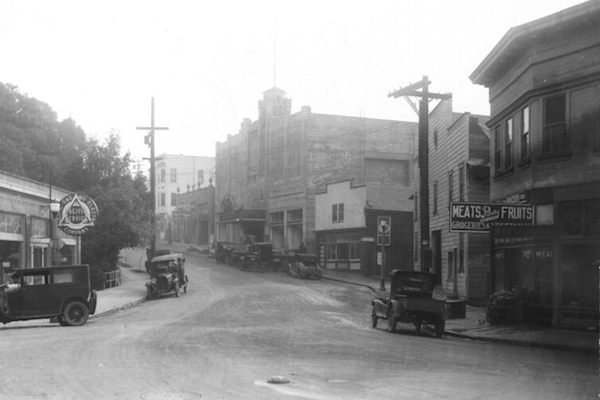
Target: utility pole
{"type": "Point", "coordinates": [149, 140]}
{"type": "Point", "coordinates": [423, 113]}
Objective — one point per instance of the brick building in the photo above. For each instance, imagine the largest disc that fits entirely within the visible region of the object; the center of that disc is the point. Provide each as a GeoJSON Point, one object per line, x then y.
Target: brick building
{"type": "Point", "coordinates": [544, 86]}
{"type": "Point", "coordinates": [270, 173]}
{"type": "Point", "coordinates": [458, 171]}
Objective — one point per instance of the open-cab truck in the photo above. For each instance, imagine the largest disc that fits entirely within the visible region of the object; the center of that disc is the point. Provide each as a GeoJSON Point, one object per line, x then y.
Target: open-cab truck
{"type": "Point", "coordinates": [411, 301]}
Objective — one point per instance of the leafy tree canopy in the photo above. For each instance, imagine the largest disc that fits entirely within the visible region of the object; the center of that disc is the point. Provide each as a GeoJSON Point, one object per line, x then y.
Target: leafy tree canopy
{"type": "Point", "coordinates": [34, 144]}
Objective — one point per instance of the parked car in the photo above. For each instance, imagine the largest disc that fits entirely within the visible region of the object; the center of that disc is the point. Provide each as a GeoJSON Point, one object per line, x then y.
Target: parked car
{"type": "Point", "coordinates": [258, 257]}
{"type": "Point", "coordinates": [167, 275]}
{"type": "Point", "coordinates": [61, 292]}
{"type": "Point", "coordinates": [305, 266]}
{"type": "Point", "coordinates": [411, 301]}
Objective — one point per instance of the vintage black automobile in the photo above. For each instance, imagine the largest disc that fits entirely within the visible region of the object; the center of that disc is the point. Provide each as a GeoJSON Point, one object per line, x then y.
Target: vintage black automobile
{"type": "Point", "coordinates": [63, 293]}
{"type": "Point", "coordinates": [411, 301]}
{"type": "Point", "coordinates": [305, 266]}
{"type": "Point", "coordinates": [167, 275]}
{"type": "Point", "coordinates": [258, 257]}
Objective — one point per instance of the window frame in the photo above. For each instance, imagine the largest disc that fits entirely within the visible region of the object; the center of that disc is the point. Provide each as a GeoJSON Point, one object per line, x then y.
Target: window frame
{"type": "Point", "coordinates": [450, 187]}
{"type": "Point", "coordinates": [508, 139]}
{"type": "Point", "coordinates": [337, 213]}
{"type": "Point", "coordinates": [498, 149]}
{"type": "Point", "coordinates": [525, 133]}
{"type": "Point", "coordinates": [435, 197]}
{"type": "Point", "coordinates": [548, 127]}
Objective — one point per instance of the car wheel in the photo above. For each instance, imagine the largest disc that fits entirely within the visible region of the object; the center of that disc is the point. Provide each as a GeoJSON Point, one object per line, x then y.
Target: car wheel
{"type": "Point", "coordinates": [374, 319]}
{"type": "Point", "coordinates": [221, 257]}
{"type": "Point", "coordinates": [75, 314]}
{"type": "Point", "coordinates": [392, 321]}
{"type": "Point", "coordinates": [61, 320]}
{"type": "Point", "coordinates": [440, 325]}
{"type": "Point", "coordinates": [418, 324]}
{"type": "Point", "coordinates": [254, 266]}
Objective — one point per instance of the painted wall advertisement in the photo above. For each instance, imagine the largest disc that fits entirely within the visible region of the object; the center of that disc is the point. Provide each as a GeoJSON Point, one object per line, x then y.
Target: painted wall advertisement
{"type": "Point", "coordinates": [479, 217]}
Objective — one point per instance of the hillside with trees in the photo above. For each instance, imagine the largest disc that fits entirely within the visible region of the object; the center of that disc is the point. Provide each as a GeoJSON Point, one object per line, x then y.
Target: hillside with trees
{"type": "Point", "coordinates": [35, 145]}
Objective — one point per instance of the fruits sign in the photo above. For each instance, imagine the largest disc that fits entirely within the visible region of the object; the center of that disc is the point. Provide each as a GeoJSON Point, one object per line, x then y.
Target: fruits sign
{"type": "Point", "coordinates": [77, 214]}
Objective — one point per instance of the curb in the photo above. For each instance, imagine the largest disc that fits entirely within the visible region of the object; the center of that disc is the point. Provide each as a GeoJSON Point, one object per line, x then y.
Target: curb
{"type": "Point", "coordinates": [117, 309]}
{"type": "Point", "coordinates": [351, 283]}
{"type": "Point", "coordinates": [537, 345]}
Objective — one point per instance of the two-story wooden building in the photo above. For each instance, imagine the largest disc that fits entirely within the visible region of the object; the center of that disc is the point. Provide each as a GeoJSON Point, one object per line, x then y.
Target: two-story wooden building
{"type": "Point", "coordinates": [458, 172]}
{"type": "Point", "coordinates": [544, 87]}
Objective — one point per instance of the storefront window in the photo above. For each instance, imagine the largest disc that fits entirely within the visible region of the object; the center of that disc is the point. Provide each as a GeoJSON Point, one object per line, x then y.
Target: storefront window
{"type": "Point", "coordinates": [580, 275]}
{"type": "Point", "coordinates": [11, 223]}
{"type": "Point", "coordinates": [10, 257]}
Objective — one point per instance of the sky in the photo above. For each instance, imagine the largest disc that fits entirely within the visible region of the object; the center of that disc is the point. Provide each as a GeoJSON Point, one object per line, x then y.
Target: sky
{"type": "Point", "coordinates": [207, 63]}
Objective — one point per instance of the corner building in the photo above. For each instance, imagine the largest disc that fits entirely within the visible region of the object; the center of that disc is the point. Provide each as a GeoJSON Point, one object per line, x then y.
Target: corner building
{"type": "Point", "coordinates": [544, 87]}
{"type": "Point", "coordinates": [270, 173]}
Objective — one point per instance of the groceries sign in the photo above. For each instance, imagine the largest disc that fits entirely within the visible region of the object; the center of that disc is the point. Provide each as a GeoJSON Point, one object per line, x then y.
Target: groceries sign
{"type": "Point", "coordinates": [479, 217]}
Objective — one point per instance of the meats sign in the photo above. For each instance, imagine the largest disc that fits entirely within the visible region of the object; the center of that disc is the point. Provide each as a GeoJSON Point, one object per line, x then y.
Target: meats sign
{"type": "Point", "coordinates": [479, 217]}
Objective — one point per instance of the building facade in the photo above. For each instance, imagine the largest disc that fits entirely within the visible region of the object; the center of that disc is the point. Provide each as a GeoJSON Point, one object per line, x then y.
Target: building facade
{"type": "Point", "coordinates": [177, 174]}
{"type": "Point", "coordinates": [27, 224]}
{"type": "Point", "coordinates": [270, 173]}
{"type": "Point", "coordinates": [544, 85]}
{"type": "Point", "coordinates": [458, 172]}
{"type": "Point", "coordinates": [194, 217]}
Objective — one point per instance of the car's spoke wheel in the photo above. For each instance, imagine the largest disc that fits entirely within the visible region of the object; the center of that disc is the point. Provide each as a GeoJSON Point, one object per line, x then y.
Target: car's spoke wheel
{"type": "Point", "coordinates": [254, 266]}
{"type": "Point", "coordinates": [75, 314]}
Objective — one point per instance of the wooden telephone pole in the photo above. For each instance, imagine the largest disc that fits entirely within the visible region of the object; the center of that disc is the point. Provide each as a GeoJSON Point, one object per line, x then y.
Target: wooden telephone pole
{"type": "Point", "coordinates": [423, 113]}
{"type": "Point", "coordinates": [149, 140]}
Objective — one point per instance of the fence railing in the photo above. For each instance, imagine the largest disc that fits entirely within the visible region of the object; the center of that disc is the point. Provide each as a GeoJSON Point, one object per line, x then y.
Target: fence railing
{"type": "Point", "coordinates": [112, 279]}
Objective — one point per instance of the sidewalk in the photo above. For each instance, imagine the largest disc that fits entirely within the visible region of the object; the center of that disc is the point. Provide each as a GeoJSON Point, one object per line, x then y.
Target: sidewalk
{"type": "Point", "coordinates": [475, 327]}
{"type": "Point", "coordinates": [133, 291]}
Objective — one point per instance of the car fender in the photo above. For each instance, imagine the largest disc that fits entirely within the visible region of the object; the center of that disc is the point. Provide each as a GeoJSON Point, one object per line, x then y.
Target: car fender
{"type": "Point", "coordinates": [93, 302]}
{"type": "Point", "coordinates": [398, 308]}
{"type": "Point", "coordinates": [381, 307]}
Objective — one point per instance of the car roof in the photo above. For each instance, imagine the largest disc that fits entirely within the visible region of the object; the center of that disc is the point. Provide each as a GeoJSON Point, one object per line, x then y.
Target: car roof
{"type": "Point", "coordinates": [168, 257]}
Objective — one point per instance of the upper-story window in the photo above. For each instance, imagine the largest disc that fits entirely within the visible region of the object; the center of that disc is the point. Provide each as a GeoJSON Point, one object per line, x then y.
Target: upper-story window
{"type": "Point", "coordinates": [555, 124]}
{"type": "Point", "coordinates": [173, 199]}
{"type": "Point", "coordinates": [416, 212]}
{"type": "Point", "coordinates": [450, 187]}
{"type": "Point", "coordinates": [173, 175]}
{"type": "Point", "coordinates": [162, 176]}
{"type": "Point", "coordinates": [525, 138]}
{"type": "Point", "coordinates": [508, 143]}
{"type": "Point", "coordinates": [461, 182]}
{"type": "Point", "coordinates": [200, 177]}
{"type": "Point", "coordinates": [498, 148]}
{"type": "Point", "coordinates": [337, 212]}
{"type": "Point", "coordinates": [435, 138]}
{"type": "Point", "coordinates": [435, 198]}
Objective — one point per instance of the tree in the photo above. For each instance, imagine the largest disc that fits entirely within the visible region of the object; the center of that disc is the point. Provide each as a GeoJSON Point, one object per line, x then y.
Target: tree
{"type": "Point", "coordinates": [123, 201]}
{"type": "Point", "coordinates": [35, 145]}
